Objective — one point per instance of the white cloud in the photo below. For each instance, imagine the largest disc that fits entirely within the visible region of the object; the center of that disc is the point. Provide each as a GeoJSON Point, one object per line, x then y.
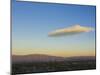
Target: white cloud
{"type": "Point", "coordinates": [70, 30]}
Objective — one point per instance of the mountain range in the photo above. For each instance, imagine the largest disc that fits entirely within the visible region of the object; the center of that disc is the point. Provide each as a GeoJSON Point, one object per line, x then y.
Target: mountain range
{"type": "Point", "coordinates": [48, 58]}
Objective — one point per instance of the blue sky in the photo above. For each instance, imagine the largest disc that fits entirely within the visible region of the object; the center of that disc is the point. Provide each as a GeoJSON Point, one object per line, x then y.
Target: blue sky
{"type": "Point", "coordinates": [31, 23]}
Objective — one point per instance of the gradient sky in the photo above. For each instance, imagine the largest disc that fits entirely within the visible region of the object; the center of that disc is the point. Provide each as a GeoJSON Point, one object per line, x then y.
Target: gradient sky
{"type": "Point", "coordinates": [31, 23]}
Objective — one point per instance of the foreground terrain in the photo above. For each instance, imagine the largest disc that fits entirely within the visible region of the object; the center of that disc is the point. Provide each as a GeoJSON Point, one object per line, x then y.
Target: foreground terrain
{"type": "Point", "coordinates": [22, 67]}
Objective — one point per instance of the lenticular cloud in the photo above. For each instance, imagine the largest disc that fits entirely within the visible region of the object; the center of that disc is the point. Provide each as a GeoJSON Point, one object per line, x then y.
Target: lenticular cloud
{"type": "Point", "coordinates": [70, 30]}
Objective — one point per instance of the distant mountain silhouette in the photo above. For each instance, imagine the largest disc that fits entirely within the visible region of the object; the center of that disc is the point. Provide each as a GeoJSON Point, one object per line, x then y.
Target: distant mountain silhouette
{"type": "Point", "coordinates": [47, 58]}
{"type": "Point", "coordinates": [36, 58]}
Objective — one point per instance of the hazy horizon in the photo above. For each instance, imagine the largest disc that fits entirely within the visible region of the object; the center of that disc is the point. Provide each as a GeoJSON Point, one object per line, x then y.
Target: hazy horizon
{"type": "Point", "coordinates": [32, 22]}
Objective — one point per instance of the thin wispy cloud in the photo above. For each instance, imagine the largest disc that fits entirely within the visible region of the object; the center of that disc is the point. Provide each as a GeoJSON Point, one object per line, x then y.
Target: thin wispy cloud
{"type": "Point", "coordinates": [76, 29]}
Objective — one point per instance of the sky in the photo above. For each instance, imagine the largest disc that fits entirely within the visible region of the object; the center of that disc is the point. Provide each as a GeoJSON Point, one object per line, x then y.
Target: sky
{"type": "Point", "coordinates": [33, 21]}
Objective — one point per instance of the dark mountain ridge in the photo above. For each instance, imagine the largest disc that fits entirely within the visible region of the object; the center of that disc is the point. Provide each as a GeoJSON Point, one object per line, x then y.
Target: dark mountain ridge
{"type": "Point", "coordinates": [48, 58]}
